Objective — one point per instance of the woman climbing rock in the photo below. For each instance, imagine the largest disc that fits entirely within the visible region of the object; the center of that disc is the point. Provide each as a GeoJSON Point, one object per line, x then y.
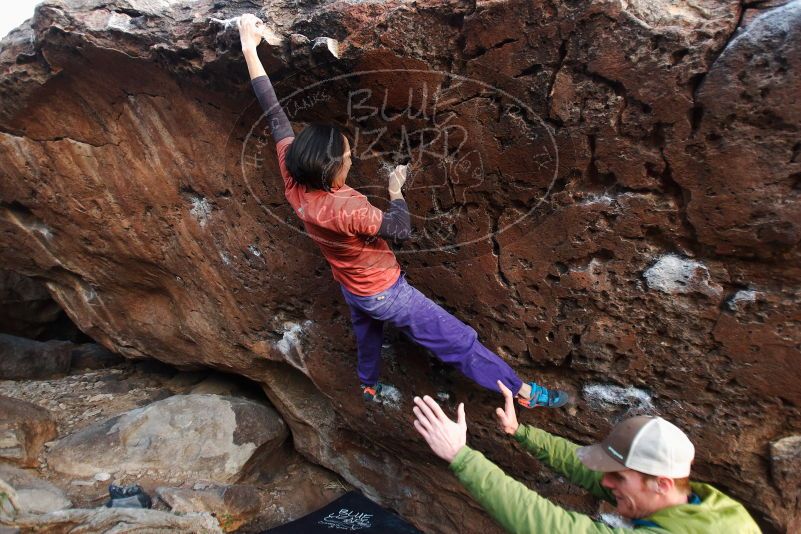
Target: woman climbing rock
{"type": "Point", "coordinates": [351, 234]}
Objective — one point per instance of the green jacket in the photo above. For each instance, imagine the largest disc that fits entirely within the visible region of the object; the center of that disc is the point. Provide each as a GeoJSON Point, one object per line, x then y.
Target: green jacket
{"type": "Point", "coordinates": [519, 509]}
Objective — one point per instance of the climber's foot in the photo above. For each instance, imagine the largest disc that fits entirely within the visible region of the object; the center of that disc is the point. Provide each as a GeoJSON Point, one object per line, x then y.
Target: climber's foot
{"type": "Point", "coordinates": [542, 397]}
{"type": "Point", "coordinates": [371, 393]}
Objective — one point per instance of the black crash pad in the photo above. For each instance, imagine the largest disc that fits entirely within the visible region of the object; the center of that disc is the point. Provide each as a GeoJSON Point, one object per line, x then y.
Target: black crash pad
{"type": "Point", "coordinates": [353, 512]}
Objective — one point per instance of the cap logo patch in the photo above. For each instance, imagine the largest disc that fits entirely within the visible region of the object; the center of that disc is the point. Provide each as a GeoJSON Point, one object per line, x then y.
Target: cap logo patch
{"type": "Point", "coordinates": [614, 453]}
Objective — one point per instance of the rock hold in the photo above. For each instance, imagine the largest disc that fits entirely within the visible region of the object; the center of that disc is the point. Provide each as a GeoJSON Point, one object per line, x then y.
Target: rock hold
{"type": "Point", "coordinates": [672, 274]}
{"type": "Point", "coordinates": [785, 466]}
{"type": "Point", "coordinates": [607, 396]}
{"type": "Point", "coordinates": [326, 46]}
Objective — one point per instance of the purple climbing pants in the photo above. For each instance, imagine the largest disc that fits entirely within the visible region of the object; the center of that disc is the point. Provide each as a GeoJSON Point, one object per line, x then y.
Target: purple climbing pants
{"type": "Point", "coordinates": [427, 324]}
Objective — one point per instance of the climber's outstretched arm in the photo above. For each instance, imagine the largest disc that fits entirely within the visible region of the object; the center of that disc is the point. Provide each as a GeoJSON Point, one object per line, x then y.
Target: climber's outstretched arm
{"type": "Point", "coordinates": [251, 31]}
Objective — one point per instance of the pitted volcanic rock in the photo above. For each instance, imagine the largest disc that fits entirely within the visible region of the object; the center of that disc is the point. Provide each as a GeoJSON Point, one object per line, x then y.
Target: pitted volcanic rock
{"type": "Point", "coordinates": [615, 209]}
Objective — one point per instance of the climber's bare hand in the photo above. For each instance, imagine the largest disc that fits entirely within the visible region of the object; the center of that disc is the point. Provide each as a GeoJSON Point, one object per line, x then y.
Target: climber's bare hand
{"type": "Point", "coordinates": [251, 31]}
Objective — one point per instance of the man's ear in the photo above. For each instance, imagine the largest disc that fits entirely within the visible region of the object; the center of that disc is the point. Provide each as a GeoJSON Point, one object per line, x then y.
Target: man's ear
{"type": "Point", "coordinates": [664, 485]}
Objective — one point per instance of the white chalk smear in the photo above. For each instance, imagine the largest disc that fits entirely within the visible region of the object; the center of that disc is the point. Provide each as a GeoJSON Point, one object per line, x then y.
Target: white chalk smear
{"type": "Point", "coordinates": [607, 395]}
{"type": "Point", "coordinates": [291, 340]}
{"type": "Point", "coordinates": [119, 21]}
{"type": "Point", "coordinates": [291, 337]}
{"type": "Point", "coordinates": [672, 274]}
{"type": "Point", "coordinates": [43, 230]}
{"type": "Point", "coordinates": [390, 396]}
{"type": "Point", "coordinates": [742, 296]}
{"type": "Point", "coordinates": [225, 23]}
{"type": "Point", "coordinates": [200, 210]}
{"type": "Point", "coordinates": [597, 199]}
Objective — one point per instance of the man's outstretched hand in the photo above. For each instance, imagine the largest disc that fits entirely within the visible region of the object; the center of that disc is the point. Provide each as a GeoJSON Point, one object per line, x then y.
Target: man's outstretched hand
{"type": "Point", "coordinates": [507, 418]}
{"type": "Point", "coordinates": [445, 437]}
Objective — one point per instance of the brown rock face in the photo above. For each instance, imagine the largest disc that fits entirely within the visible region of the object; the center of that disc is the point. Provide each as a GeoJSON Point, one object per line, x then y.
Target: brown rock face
{"type": "Point", "coordinates": [24, 429]}
{"type": "Point", "coordinates": [607, 191]}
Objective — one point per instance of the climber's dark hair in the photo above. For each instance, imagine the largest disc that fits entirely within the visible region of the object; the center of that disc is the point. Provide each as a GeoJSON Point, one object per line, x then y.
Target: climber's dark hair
{"type": "Point", "coordinates": [315, 156]}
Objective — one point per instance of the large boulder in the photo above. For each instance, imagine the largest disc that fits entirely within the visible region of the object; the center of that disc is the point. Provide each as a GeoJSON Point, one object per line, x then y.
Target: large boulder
{"type": "Point", "coordinates": [33, 495]}
{"type": "Point", "coordinates": [22, 358]}
{"type": "Point", "coordinates": [24, 429]}
{"type": "Point", "coordinates": [607, 191]}
{"type": "Point", "coordinates": [233, 505]}
{"type": "Point", "coordinates": [117, 520]}
{"type": "Point", "coordinates": [93, 356]}
{"type": "Point", "coordinates": [303, 489]}
{"type": "Point", "coordinates": [178, 439]}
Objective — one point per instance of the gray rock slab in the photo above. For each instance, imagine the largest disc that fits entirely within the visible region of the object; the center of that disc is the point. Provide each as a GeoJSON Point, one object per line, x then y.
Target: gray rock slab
{"type": "Point", "coordinates": [34, 495]}
{"type": "Point", "coordinates": [184, 437]}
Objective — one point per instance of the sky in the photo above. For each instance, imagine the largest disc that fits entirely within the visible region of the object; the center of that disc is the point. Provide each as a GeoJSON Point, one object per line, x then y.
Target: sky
{"type": "Point", "coordinates": [15, 13]}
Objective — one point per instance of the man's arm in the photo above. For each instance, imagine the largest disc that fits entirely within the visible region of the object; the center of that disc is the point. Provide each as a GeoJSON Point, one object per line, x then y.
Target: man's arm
{"type": "Point", "coordinates": [557, 453]}
{"type": "Point", "coordinates": [515, 507]}
{"type": "Point", "coordinates": [510, 503]}
{"type": "Point", "coordinates": [560, 455]}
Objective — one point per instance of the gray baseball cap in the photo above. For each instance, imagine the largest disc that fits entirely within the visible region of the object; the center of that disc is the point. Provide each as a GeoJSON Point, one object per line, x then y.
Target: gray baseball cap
{"type": "Point", "coordinates": [646, 444]}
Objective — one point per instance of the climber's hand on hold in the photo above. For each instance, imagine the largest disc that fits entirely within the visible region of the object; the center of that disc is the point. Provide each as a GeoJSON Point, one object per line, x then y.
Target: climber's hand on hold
{"type": "Point", "coordinates": [396, 180]}
{"type": "Point", "coordinates": [507, 418]}
{"type": "Point", "coordinates": [251, 31]}
{"type": "Point", "coordinates": [445, 437]}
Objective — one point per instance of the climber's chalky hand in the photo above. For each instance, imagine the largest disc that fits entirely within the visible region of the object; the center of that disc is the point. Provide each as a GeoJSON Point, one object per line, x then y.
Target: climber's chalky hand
{"type": "Point", "coordinates": [396, 179]}
{"type": "Point", "coordinates": [251, 31]}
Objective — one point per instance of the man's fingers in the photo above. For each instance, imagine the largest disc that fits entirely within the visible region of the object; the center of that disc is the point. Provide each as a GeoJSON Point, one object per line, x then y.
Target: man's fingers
{"type": "Point", "coordinates": [505, 391]}
{"type": "Point", "coordinates": [422, 431]}
{"type": "Point", "coordinates": [460, 418]}
{"type": "Point", "coordinates": [501, 414]}
{"type": "Point", "coordinates": [424, 422]}
{"type": "Point", "coordinates": [435, 408]}
{"type": "Point", "coordinates": [426, 409]}
{"type": "Point", "coordinates": [509, 404]}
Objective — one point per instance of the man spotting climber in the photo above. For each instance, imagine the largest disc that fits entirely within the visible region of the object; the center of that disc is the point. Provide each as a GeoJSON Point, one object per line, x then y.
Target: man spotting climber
{"type": "Point", "coordinates": [351, 232]}
{"type": "Point", "coordinates": [642, 467]}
